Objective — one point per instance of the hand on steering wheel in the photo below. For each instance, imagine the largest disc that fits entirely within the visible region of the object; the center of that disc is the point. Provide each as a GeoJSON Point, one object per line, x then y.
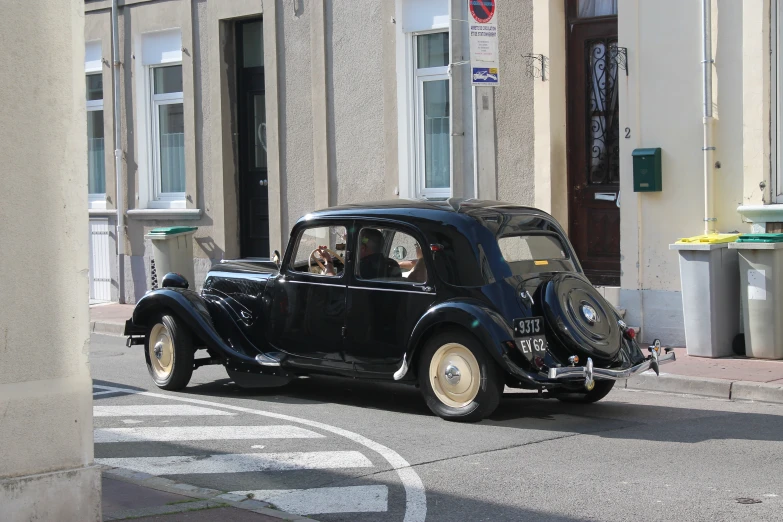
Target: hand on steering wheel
{"type": "Point", "coordinates": [324, 254]}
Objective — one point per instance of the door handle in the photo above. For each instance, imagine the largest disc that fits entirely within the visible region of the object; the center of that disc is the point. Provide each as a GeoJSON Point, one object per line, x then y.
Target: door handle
{"type": "Point", "coordinates": [606, 196]}
{"type": "Point", "coordinates": [263, 182]}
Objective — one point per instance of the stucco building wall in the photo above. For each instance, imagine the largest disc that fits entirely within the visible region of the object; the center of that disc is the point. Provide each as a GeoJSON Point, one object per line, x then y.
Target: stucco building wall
{"type": "Point", "coordinates": [333, 117]}
{"type": "Point", "coordinates": [355, 83]}
{"type": "Point", "coordinates": [661, 104]}
{"type": "Point", "coordinates": [46, 466]}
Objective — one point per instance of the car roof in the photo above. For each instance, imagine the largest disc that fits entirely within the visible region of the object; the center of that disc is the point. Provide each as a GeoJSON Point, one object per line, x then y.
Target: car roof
{"type": "Point", "coordinates": [420, 209]}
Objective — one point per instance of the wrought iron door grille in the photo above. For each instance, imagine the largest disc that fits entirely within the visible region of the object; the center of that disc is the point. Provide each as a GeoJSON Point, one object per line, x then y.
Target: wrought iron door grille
{"type": "Point", "coordinates": [603, 112]}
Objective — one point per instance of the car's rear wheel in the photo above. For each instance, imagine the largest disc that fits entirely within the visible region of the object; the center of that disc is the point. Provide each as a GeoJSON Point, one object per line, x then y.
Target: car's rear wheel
{"type": "Point", "coordinates": [169, 352]}
{"type": "Point", "coordinates": [458, 379]}
{"type": "Point", "coordinates": [601, 390]}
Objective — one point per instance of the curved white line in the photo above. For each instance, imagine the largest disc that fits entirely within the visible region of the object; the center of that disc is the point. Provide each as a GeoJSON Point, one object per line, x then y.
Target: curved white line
{"type": "Point", "coordinates": [415, 498]}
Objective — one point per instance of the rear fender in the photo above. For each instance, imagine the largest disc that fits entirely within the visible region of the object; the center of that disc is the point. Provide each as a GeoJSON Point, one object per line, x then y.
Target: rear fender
{"type": "Point", "coordinates": [486, 324]}
{"type": "Point", "coordinates": [191, 308]}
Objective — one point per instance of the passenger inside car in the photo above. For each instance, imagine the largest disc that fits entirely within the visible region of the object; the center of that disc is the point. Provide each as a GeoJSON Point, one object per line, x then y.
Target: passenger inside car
{"type": "Point", "coordinates": [373, 264]}
{"type": "Point", "coordinates": [418, 270]}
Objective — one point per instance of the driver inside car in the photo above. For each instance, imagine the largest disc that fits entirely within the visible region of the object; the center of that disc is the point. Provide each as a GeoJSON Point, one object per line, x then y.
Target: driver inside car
{"type": "Point", "coordinates": [372, 263]}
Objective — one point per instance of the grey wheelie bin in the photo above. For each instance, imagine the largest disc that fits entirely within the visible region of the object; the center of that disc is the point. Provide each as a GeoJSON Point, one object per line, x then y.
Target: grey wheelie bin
{"type": "Point", "coordinates": [761, 280]}
{"type": "Point", "coordinates": [710, 293]}
{"type": "Point", "coordinates": [172, 249]}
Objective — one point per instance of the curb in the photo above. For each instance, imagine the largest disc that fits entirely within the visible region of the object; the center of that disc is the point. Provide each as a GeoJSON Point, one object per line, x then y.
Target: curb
{"type": "Point", "coordinates": [106, 328]}
{"type": "Point", "coordinates": [757, 391]}
{"type": "Point", "coordinates": [208, 497]}
{"type": "Point", "coordinates": [707, 387]}
{"type": "Point", "coordinates": [667, 382]}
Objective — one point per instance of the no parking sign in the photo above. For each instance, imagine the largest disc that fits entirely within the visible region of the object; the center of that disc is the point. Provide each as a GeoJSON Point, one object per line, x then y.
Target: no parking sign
{"type": "Point", "coordinates": [482, 22]}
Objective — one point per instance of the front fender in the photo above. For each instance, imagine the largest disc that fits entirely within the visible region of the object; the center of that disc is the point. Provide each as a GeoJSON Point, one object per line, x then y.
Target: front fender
{"type": "Point", "coordinates": [189, 307]}
{"type": "Point", "coordinates": [486, 324]}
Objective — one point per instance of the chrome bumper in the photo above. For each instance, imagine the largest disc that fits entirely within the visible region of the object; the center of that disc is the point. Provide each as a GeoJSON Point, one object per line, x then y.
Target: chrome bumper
{"type": "Point", "coordinates": [590, 373]}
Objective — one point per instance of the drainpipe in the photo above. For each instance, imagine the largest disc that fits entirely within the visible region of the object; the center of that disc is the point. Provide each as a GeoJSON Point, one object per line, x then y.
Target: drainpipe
{"type": "Point", "coordinates": [710, 221]}
{"type": "Point", "coordinates": [118, 154]}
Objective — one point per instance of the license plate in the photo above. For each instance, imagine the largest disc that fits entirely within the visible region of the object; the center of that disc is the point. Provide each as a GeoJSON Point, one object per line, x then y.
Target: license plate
{"type": "Point", "coordinates": [529, 326]}
{"type": "Point", "coordinates": [532, 345]}
{"type": "Point", "coordinates": [529, 333]}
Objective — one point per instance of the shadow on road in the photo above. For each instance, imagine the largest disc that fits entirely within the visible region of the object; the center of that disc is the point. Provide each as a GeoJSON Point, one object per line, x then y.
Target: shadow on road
{"type": "Point", "coordinates": [611, 418]}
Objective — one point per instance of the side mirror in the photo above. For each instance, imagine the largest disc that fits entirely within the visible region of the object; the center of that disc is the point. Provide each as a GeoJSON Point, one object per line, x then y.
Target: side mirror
{"type": "Point", "coordinates": [276, 258]}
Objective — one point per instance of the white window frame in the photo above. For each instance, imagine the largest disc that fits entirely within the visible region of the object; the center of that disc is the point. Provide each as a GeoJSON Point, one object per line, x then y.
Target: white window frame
{"type": "Point", "coordinates": [94, 66]}
{"type": "Point", "coordinates": [97, 200]}
{"type": "Point", "coordinates": [159, 198]}
{"type": "Point", "coordinates": [420, 76]}
{"type": "Point", "coordinates": [776, 190]}
{"type": "Point", "coordinates": [153, 49]}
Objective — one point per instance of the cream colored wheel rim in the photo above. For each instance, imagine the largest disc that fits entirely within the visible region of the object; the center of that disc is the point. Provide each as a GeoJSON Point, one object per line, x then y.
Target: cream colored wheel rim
{"type": "Point", "coordinates": [161, 352]}
{"type": "Point", "coordinates": [455, 376]}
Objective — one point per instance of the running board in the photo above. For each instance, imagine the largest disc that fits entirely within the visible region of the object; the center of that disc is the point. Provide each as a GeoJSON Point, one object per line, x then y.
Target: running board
{"type": "Point", "coordinates": [265, 360]}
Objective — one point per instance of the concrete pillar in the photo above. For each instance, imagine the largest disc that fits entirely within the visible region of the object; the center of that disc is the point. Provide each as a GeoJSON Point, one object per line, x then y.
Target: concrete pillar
{"type": "Point", "coordinates": [46, 462]}
{"type": "Point", "coordinates": [486, 144]}
{"type": "Point", "coordinates": [319, 103]}
{"type": "Point", "coordinates": [458, 85]}
{"type": "Point", "coordinates": [756, 97]}
{"type": "Point", "coordinates": [549, 39]}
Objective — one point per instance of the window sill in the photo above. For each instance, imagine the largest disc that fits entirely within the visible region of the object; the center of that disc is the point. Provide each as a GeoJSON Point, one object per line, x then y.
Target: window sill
{"type": "Point", "coordinates": [102, 212]}
{"type": "Point", "coordinates": [164, 213]}
{"type": "Point", "coordinates": [97, 202]}
{"type": "Point", "coordinates": [762, 213]}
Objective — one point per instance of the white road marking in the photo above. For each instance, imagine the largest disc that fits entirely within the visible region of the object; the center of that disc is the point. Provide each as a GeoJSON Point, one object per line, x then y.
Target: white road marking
{"type": "Point", "coordinates": [240, 462]}
{"type": "Point", "coordinates": [102, 392]}
{"type": "Point", "coordinates": [179, 433]}
{"type": "Point", "coordinates": [156, 410]}
{"type": "Point", "coordinates": [319, 501]}
{"type": "Point", "coordinates": [415, 497]}
{"type": "Point", "coordinates": [131, 421]}
{"type": "Point", "coordinates": [257, 446]}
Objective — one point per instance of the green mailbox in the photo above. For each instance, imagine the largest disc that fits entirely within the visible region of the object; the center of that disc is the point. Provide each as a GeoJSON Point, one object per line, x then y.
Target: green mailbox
{"type": "Point", "coordinates": [647, 170]}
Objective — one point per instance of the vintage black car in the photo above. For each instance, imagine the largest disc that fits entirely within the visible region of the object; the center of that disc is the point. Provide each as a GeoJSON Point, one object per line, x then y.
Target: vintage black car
{"type": "Point", "coordinates": [459, 297]}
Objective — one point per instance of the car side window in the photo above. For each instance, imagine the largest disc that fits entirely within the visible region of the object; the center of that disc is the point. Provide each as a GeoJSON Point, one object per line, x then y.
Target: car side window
{"type": "Point", "coordinates": [320, 251]}
{"type": "Point", "coordinates": [387, 254]}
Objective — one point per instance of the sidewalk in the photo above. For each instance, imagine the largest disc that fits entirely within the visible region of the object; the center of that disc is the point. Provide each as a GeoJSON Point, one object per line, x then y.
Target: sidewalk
{"type": "Point", "coordinates": [109, 318]}
{"type": "Point", "coordinates": [736, 378]}
{"type": "Point", "coordinates": [145, 498]}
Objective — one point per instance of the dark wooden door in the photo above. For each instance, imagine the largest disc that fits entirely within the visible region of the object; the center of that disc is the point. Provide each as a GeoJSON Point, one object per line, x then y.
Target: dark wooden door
{"type": "Point", "coordinates": [251, 119]}
{"type": "Point", "coordinates": [593, 146]}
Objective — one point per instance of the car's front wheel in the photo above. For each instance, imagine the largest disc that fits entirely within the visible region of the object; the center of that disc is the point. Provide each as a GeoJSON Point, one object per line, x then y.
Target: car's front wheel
{"type": "Point", "coordinates": [169, 352]}
{"type": "Point", "coordinates": [458, 379]}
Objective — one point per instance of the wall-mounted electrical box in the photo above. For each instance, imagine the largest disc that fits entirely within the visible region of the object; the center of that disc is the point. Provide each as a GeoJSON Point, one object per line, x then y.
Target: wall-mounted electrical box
{"type": "Point", "coordinates": [647, 170]}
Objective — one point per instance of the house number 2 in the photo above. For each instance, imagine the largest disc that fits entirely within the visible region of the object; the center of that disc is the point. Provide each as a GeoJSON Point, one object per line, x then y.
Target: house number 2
{"type": "Point", "coordinates": [627, 133]}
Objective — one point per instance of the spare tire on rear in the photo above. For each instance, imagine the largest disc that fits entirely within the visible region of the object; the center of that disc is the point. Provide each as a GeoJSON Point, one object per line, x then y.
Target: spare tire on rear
{"type": "Point", "coordinates": [583, 322]}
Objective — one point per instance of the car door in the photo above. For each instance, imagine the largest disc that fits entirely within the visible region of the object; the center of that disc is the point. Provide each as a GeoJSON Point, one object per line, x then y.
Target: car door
{"type": "Point", "coordinates": [308, 306]}
{"type": "Point", "coordinates": [383, 308]}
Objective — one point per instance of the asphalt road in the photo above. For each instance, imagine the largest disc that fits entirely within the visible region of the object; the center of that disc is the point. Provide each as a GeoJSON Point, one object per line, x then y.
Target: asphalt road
{"type": "Point", "coordinates": [347, 450]}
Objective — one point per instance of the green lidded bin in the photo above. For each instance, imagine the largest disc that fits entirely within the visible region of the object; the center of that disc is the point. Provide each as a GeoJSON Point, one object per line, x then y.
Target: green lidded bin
{"type": "Point", "coordinates": [172, 250]}
{"type": "Point", "coordinates": [761, 238]}
{"type": "Point", "coordinates": [761, 285]}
